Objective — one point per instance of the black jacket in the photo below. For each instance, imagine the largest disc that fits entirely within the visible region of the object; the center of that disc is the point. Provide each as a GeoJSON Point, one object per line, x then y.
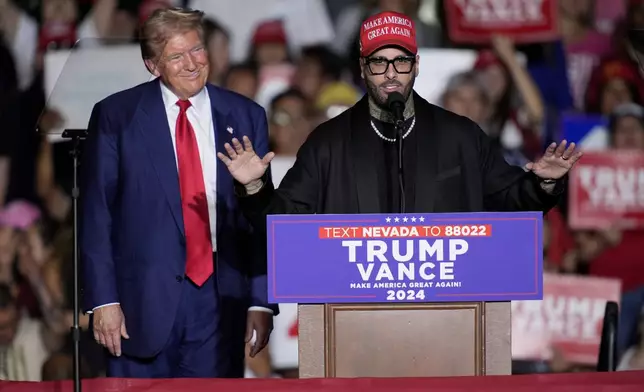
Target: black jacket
{"type": "Point", "coordinates": [458, 169]}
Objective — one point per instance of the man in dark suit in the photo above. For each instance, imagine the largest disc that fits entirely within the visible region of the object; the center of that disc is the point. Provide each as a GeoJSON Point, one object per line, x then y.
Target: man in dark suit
{"type": "Point", "coordinates": [350, 163]}
{"type": "Point", "coordinates": [170, 265]}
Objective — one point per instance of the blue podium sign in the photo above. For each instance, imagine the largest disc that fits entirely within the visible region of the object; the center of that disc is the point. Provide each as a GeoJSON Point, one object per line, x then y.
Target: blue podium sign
{"type": "Point", "coordinates": [405, 258]}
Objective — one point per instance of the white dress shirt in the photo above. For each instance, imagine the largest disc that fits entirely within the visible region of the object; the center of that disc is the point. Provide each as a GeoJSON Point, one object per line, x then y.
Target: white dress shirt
{"type": "Point", "coordinates": [200, 116]}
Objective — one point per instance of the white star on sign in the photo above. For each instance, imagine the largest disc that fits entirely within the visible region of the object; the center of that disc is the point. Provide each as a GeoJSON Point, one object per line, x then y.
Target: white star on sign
{"type": "Point", "coordinates": [413, 219]}
{"type": "Point", "coordinates": [388, 219]}
{"type": "Point", "coordinates": [405, 219]}
{"type": "Point", "coordinates": [422, 219]}
{"type": "Point", "coordinates": [396, 219]}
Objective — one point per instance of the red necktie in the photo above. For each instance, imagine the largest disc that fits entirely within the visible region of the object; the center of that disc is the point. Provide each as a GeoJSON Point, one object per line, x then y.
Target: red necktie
{"type": "Point", "coordinates": [199, 261]}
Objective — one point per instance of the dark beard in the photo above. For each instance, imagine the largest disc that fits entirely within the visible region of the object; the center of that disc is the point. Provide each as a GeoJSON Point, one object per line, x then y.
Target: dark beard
{"type": "Point", "coordinates": [378, 106]}
{"type": "Point", "coordinates": [372, 91]}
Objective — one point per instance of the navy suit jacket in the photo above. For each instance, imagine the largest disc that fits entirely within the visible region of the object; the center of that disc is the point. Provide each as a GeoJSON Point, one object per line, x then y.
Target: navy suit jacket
{"type": "Point", "coordinates": [132, 240]}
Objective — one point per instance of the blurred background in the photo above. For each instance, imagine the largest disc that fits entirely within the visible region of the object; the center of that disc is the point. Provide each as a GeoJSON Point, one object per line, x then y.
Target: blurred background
{"type": "Point", "coordinates": [532, 72]}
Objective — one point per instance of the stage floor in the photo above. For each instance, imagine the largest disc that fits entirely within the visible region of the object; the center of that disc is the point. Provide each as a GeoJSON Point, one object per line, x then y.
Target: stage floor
{"type": "Point", "coordinates": [573, 382]}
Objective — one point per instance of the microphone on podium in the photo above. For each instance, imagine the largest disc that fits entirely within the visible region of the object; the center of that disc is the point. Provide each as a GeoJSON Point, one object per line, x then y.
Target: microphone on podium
{"type": "Point", "coordinates": [396, 104]}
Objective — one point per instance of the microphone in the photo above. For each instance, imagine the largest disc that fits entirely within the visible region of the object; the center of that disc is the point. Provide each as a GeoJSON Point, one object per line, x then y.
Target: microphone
{"type": "Point", "coordinates": [396, 104]}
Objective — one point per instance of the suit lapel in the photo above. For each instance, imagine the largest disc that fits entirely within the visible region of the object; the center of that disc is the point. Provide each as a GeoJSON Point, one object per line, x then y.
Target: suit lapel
{"type": "Point", "coordinates": [224, 128]}
{"type": "Point", "coordinates": [427, 155]}
{"type": "Point", "coordinates": [153, 124]}
{"type": "Point", "coordinates": [361, 159]}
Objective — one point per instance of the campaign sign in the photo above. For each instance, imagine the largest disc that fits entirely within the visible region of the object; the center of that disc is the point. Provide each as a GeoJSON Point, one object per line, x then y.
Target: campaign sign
{"type": "Point", "coordinates": [568, 319]}
{"type": "Point", "coordinates": [405, 258]}
{"type": "Point", "coordinates": [607, 189]}
{"type": "Point", "coordinates": [525, 21]}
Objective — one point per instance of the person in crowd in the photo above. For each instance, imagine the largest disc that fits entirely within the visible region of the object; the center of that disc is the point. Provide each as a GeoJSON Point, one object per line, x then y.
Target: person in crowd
{"type": "Point", "coordinates": [288, 125]}
{"type": "Point", "coordinates": [22, 350]}
{"type": "Point", "coordinates": [20, 31]}
{"type": "Point", "coordinates": [615, 82]}
{"type": "Point", "coordinates": [517, 111]}
{"type": "Point", "coordinates": [334, 99]}
{"type": "Point", "coordinates": [317, 68]}
{"type": "Point", "coordinates": [174, 288]}
{"type": "Point", "coordinates": [349, 164]}
{"type": "Point", "coordinates": [218, 45]}
{"type": "Point", "coordinates": [59, 19]}
{"type": "Point", "coordinates": [614, 252]}
{"type": "Point", "coordinates": [269, 45]}
{"type": "Point", "coordinates": [242, 79]}
{"type": "Point", "coordinates": [465, 95]}
{"type": "Point", "coordinates": [22, 250]}
{"type": "Point", "coordinates": [584, 45]}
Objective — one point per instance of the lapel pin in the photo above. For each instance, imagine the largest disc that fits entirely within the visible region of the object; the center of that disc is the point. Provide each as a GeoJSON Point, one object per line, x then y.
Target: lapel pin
{"type": "Point", "coordinates": [230, 129]}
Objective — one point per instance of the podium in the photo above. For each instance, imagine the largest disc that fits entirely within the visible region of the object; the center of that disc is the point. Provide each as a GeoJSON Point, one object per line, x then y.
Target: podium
{"type": "Point", "coordinates": [417, 295]}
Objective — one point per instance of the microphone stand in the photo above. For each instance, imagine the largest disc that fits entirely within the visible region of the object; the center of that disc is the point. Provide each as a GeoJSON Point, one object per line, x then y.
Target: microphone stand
{"type": "Point", "coordinates": [607, 360]}
{"type": "Point", "coordinates": [76, 135]}
{"type": "Point", "coordinates": [401, 178]}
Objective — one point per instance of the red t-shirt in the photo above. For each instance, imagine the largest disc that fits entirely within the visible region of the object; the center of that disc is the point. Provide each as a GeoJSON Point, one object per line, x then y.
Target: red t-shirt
{"type": "Point", "coordinates": [624, 262]}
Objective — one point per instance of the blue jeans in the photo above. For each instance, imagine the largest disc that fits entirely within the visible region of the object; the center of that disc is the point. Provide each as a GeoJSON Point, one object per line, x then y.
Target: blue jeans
{"type": "Point", "coordinates": [630, 312]}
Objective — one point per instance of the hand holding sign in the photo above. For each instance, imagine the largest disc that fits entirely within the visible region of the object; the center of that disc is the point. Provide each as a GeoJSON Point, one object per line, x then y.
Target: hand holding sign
{"type": "Point", "coordinates": [243, 163]}
{"type": "Point", "coordinates": [556, 162]}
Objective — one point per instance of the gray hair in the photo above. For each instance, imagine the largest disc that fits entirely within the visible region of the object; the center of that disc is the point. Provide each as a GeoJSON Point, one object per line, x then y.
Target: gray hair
{"type": "Point", "coordinates": [468, 78]}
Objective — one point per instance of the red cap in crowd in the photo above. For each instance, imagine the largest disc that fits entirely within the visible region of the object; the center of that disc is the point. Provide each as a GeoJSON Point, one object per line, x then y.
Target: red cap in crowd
{"type": "Point", "coordinates": [486, 58]}
{"type": "Point", "coordinates": [387, 29]}
{"type": "Point", "coordinates": [617, 70]}
{"type": "Point", "coordinates": [270, 32]}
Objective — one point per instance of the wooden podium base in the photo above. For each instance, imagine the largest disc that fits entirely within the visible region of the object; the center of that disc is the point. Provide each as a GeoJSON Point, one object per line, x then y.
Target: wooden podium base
{"type": "Point", "coordinates": [404, 340]}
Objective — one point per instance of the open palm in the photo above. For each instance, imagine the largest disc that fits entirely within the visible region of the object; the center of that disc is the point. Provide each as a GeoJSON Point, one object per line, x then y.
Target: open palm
{"type": "Point", "coordinates": [243, 163]}
{"type": "Point", "coordinates": [556, 162]}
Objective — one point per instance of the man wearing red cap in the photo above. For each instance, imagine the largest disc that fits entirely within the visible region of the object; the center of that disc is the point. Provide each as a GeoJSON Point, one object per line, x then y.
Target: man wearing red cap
{"type": "Point", "coordinates": [350, 163]}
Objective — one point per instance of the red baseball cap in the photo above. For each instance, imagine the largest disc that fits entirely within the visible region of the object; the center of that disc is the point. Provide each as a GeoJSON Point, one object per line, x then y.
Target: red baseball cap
{"type": "Point", "coordinates": [270, 32]}
{"type": "Point", "coordinates": [387, 29]}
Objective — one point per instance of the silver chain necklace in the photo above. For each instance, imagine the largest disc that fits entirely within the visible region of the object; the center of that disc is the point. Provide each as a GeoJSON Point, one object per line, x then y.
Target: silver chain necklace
{"type": "Point", "coordinates": [388, 139]}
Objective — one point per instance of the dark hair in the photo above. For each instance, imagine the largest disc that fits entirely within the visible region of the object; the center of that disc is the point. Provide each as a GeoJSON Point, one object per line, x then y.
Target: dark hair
{"type": "Point", "coordinates": [211, 27]}
{"type": "Point", "coordinates": [330, 62]}
{"type": "Point", "coordinates": [243, 67]}
{"type": "Point", "coordinates": [636, 39]}
{"type": "Point", "coordinates": [595, 105]}
{"type": "Point", "coordinates": [7, 299]}
{"type": "Point", "coordinates": [290, 93]}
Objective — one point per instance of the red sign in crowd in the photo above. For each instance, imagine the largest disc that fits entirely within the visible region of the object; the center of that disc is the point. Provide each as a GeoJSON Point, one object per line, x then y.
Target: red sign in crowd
{"type": "Point", "coordinates": [525, 21]}
{"type": "Point", "coordinates": [606, 190]}
{"type": "Point", "coordinates": [568, 319]}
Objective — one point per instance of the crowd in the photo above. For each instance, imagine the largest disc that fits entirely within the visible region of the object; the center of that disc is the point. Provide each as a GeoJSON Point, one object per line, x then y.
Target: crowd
{"type": "Point", "coordinates": [298, 59]}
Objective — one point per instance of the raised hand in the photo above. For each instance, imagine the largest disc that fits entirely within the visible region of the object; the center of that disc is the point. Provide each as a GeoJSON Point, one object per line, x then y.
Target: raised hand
{"type": "Point", "coordinates": [556, 162]}
{"type": "Point", "coordinates": [243, 163]}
